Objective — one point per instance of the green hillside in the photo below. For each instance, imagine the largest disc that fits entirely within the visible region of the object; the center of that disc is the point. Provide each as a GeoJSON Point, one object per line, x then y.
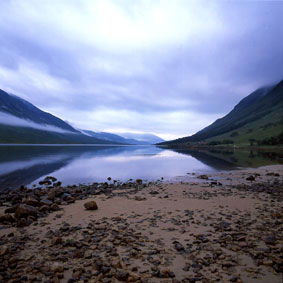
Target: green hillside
{"type": "Point", "coordinates": [259, 132]}
{"type": "Point", "coordinates": [257, 119]}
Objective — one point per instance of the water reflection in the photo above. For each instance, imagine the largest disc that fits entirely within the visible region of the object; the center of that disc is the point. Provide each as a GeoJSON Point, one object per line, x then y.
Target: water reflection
{"type": "Point", "coordinates": [229, 159]}
{"type": "Point", "coordinates": [23, 165]}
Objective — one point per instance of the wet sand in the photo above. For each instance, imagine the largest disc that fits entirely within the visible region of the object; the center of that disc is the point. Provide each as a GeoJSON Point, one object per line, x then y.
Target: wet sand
{"type": "Point", "coordinates": [212, 228]}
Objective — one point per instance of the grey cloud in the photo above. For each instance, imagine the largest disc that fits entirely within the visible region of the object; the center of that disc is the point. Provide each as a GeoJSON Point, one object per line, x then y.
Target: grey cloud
{"type": "Point", "coordinates": [207, 72]}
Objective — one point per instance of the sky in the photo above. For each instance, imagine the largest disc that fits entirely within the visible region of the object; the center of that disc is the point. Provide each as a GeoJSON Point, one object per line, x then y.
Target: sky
{"type": "Point", "coordinates": [157, 66]}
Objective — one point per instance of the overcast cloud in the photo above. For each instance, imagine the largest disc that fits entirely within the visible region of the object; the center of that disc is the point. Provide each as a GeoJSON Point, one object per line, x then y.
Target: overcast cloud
{"type": "Point", "coordinates": [165, 67]}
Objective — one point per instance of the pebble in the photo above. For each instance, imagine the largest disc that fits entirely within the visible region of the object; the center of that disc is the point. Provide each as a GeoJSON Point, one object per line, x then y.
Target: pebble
{"type": "Point", "coordinates": [91, 205]}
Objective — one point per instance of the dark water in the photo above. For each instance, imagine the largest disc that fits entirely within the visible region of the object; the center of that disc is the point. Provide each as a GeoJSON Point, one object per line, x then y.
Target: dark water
{"type": "Point", "coordinates": [25, 165]}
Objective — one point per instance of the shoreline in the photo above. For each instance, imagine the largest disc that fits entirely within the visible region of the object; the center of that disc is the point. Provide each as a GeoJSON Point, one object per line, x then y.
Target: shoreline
{"type": "Point", "coordinates": [205, 228]}
{"type": "Point", "coordinates": [278, 148]}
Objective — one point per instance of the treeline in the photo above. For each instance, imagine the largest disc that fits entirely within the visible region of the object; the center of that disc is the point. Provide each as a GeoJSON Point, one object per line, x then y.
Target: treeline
{"type": "Point", "coordinates": [221, 142]}
{"type": "Point", "coordinates": [277, 140]}
{"type": "Point", "coordinates": [272, 140]}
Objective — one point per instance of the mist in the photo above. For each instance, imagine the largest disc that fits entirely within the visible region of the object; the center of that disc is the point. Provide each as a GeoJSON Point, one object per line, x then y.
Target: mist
{"type": "Point", "coordinates": [11, 120]}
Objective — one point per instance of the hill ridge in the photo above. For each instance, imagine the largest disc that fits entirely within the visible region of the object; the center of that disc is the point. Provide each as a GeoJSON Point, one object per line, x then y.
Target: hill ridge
{"type": "Point", "coordinates": [21, 108]}
{"type": "Point", "coordinates": [254, 107]}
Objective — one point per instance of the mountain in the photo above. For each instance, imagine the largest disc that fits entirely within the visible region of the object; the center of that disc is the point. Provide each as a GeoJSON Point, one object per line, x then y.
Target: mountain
{"type": "Point", "coordinates": [256, 118]}
{"type": "Point", "coordinates": [145, 138]}
{"type": "Point", "coordinates": [113, 137]}
{"type": "Point", "coordinates": [22, 122]}
{"type": "Point", "coordinates": [22, 109]}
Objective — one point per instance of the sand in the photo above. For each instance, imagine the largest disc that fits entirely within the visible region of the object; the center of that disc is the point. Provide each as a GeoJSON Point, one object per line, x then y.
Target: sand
{"type": "Point", "coordinates": [219, 227]}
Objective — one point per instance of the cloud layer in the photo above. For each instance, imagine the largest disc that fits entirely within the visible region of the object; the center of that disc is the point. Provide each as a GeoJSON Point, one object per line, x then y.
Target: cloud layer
{"type": "Point", "coordinates": [11, 120]}
{"type": "Point", "coordinates": [166, 67]}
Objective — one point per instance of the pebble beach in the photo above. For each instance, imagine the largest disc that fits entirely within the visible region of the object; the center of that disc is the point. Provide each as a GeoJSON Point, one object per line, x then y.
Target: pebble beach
{"type": "Point", "coordinates": [221, 227]}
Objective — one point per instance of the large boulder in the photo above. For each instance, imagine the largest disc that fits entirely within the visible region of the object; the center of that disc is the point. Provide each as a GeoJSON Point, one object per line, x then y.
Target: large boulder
{"type": "Point", "coordinates": [30, 200]}
{"type": "Point", "coordinates": [45, 202]}
{"type": "Point", "coordinates": [25, 210]}
{"type": "Point", "coordinates": [91, 205]}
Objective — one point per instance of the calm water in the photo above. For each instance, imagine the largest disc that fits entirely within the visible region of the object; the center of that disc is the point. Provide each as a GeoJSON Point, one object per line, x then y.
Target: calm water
{"type": "Point", "coordinates": [25, 165]}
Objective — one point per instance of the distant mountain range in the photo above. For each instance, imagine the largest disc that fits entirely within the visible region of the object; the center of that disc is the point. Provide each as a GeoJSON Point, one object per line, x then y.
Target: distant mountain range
{"type": "Point", "coordinates": [143, 138]}
{"type": "Point", "coordinates": [256, 119]}
{"type": "Point", "coordinates": [125, 138]}
{"type": "Point", "coordinates": [22, 122]}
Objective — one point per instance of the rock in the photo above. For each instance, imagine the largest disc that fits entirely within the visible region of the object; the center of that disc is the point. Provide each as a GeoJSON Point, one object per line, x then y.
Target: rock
{"type": "Point", "coordinates": [70, 199]}
{"type": "Point", "coordinates": [50, 178]}
{"type": "Point", "coordinates": [11, 209]}
{"type": "Point", "coordinates": [166, 273]}
{"type": "Point", "coordinates": [65, 195]}
{"type": "Point", "coordinates": [203, 177]}
{"type": "Point", "coordinates": [49, 234]}
{"type": "Point", "coordinates": [16, 199]}
{"type": "Point", "coordinates": [104, 186]}
{"type": "Point", "coordinates": [122, 275]}
{"type": "Point", "coordinates": [267, 262]}
{"type": "Point", "coordinates": [4, 250]}
{"type": "Point", "coordinates": [25, 210]}
{"type": "Point", "coordinates": [271, 240]}
{"type": "Point", "coordinates": [278, 267]}
{"type": "Point", "coordinates": [88, 254]}
{"type": "Point", "coordinates": [133, 277]}
{"type": "Point", "coordinates": [43, 208]}
{"type": "Point", "coordinates": [57, 267]}
{"type": "Point", "coordinates": [227, 264]}
{"type": "Point", "coordinates": [91, 205]}
{"type": "Point", "coordinates": [196, 266]}
{"type": "Point", "coordinates": [76, 274]}
{"type": "Point", "coordinates": [272, 174]}
{"type": "Point", "coordinates": [96, 239]}
{"type": "Point", "coordinates": [139, 181]}
{"type": "Point", "coordinates": [139, 198]}
{"type": "Point", "coordinates": [179, 247]}
{"type": "Point", "coordinates": [51, 195]}
{"type": "Point", "coordinates": [7, 218]}
{"type": "Point", "coordinates": [47, 182]}
{"type": "Point", "coordinates": [47, 202]}
{"type": "Point", "coordinates": [55, 207]}
{"type": "Point", "coordinates": [116, 263]}
{"type": "Point", "coordinates": [250, 178]}
{"type": "Point", "coordinates": [22, 222]}
{"type": "Point", "coordinates": [30, 200]}
{"type": "Point", "coordinates": [56, 241]}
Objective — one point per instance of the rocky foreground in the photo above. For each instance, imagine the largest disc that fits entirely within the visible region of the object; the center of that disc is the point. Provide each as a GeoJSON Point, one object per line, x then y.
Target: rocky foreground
{"type": "Point", "coordinates": [225, 227]}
